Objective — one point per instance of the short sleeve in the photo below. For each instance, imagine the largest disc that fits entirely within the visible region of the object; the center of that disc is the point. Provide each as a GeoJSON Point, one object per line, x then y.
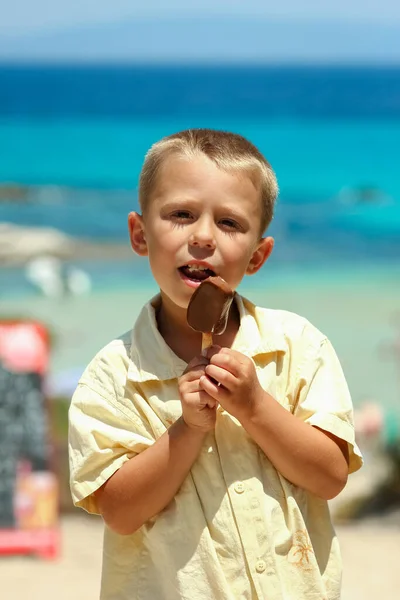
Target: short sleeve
{"type": "Point", "coordinates": [324, 400]}
{"type": "Point", "coordinates": [102, 437]}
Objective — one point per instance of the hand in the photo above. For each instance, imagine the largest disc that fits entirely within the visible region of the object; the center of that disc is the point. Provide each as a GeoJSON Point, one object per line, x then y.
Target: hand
{"type": "Point", "coordinates": [199, 410]}
{"type": "Point", "coordinates": [231, 380]}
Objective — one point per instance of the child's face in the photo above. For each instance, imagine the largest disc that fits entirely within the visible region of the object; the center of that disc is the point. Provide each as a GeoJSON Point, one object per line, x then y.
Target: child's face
{"type": "Point", "coordinates": [200, 216]}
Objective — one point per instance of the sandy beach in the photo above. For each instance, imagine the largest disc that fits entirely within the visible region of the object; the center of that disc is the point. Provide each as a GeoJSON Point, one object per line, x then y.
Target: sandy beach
{"type": "Point", "coordinates": [370, 555]}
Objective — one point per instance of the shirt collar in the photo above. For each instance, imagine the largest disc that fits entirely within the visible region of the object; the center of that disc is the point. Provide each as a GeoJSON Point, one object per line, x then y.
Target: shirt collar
{"type": "Point", "coordinates": [151, 359]}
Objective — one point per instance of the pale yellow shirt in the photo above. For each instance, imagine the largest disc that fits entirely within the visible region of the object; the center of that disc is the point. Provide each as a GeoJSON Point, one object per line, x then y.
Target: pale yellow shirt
{"type": "Point", "coordinates": [236, 529]}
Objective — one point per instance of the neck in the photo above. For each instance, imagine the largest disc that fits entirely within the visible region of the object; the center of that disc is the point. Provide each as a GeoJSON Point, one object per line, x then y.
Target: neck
{"type": "Point", "coordinates": [172, 323]}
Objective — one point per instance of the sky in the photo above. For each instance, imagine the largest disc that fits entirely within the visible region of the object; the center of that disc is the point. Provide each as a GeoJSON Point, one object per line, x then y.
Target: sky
{"type": "Point", "coordinates": [23, 16]}
{"type": "Point", "coordinates": [303, 31]}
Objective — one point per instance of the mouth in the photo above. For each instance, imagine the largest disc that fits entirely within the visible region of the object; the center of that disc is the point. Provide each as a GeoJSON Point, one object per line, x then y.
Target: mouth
{"type": "Point", "coordinates": [196, 273]}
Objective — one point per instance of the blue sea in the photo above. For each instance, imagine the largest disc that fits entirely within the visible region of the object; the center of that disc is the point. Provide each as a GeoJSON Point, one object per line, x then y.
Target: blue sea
{"type": "Point", "coordinates": [72, 142]}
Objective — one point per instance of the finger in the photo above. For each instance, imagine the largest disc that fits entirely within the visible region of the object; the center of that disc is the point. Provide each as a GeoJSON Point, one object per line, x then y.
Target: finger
{"type": "Point", "coordinates": [198, 398]}
{"type": "Point", "coordinates": [238, 355]}
{"type": "Point", "coordinates": [213, 389]}
{"type": "Point", "coordinates": [221, 376]}
{"type": "Point", "coordinates": [207, 400]}
{"type": "Point", "coordinates": [193, 386]}
{"type": "Point", "coordinates": [227, 361]}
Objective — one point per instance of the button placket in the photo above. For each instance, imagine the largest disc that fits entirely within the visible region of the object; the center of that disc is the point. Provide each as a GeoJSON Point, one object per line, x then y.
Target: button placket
{"type": "Point", "coordinates": [245, 494]}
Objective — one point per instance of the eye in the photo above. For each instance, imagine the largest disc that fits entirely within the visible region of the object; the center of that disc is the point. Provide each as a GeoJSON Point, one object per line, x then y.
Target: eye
{"type": "Point", "coordinates": [181, 215]}
{"type": "Point", "coordinates": [230, 224]}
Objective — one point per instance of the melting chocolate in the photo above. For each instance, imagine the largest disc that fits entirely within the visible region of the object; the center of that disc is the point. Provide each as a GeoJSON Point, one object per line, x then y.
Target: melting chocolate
{"type": "Point", "coordinates": [208, 309]}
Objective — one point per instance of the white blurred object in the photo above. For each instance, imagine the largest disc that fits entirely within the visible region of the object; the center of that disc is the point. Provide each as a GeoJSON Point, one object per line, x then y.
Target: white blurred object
{"type": "Point", "coordinates": [369, 420]}
{"type": "Point", "coordinates": [18, 245]}
{"type": "Point", "coordinates": [54, 279]}
{"type": "Point", "coordinates": [78, 281]}
{"type": "Point", "coordinates": [63, 384]}
{"type": "Point", "coordinates": [45, 274]}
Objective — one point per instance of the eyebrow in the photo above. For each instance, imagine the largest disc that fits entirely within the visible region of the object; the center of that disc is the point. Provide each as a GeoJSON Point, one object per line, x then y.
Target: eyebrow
{"type": "Point", "coordinates": [178, 201]}
{"type": "Point", "coordinates": [188, 202]}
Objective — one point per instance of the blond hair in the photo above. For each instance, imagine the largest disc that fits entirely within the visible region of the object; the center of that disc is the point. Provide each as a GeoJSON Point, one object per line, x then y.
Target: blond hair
{"type": "Point", "coordinates": [229, 151]}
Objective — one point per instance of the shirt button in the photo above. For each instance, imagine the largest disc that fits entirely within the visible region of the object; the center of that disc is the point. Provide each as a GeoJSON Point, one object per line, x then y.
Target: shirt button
{"type": "Point", "coordinates": [239, 487]}
{"type": "Point", "coordinates": [260, 566]}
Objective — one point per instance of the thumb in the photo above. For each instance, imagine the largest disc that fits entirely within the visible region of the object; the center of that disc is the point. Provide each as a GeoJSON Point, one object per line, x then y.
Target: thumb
{"type": "Point", "coordinates": [197, 361]}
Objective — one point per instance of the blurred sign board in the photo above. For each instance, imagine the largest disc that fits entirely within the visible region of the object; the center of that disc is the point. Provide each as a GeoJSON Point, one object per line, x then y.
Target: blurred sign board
{"type": "Point", "coordinates": [29, 514]}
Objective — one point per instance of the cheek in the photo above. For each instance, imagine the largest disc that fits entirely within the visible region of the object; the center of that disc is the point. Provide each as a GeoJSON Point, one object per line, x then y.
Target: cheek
{"type": "Point", "coordinates": [161, 243]}
{"type": "Point", "coordinates": [162, 252]}
{"type": "Point", "coordinates": [238, 254]}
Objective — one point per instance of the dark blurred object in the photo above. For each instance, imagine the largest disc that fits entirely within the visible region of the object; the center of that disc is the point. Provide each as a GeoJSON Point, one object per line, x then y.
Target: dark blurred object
{"type": "Point", "coordinates": [378, 434]}
{"type": "Point", "coordinates": [22, 433]}
{"type": "Point", "coordinates": [28, 486]}
{"type": "Point", "coordinates": [10, 192]}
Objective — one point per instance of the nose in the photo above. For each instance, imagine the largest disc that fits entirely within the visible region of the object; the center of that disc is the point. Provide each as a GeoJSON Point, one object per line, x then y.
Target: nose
{"type": "Point", "coordinates": [202, 235]}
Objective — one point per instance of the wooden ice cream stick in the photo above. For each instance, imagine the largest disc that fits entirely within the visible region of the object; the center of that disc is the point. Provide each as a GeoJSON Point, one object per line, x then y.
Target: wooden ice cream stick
{"type": "Point", "coordinates": [206, 342]}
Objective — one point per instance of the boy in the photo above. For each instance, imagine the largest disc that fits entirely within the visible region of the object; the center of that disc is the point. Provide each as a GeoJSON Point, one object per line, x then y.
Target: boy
{"type": "Point", "coordinates": [212, 474]}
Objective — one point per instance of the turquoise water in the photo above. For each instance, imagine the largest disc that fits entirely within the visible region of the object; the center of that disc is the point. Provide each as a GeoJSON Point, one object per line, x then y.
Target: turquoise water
{"type": "Point", "coordinates": [310, 156]}
{"type": "Point", "coordinates": [77, 136]}
{"type": "Point", "coordinates": [82, 177]}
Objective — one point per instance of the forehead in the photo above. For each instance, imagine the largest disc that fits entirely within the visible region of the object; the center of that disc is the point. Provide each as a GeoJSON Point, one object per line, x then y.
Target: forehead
{"type": "Point", "coordinates": [199, 177]}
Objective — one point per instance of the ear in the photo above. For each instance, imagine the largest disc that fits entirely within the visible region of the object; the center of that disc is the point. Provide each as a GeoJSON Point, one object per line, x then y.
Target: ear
{"type": "Point", "coordinates": [136, 233]}
{"type": "Point", "coordinates": [260, 255]}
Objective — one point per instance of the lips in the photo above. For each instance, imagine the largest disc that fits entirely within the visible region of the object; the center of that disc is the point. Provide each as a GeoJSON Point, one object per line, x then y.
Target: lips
{"type": "Point", "coordinates": [196, 272]}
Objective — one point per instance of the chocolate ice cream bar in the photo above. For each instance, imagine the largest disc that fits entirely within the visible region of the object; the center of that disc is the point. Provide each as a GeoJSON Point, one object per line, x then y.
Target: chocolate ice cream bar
{"type": "Point", "coordinates": [208, 309]}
